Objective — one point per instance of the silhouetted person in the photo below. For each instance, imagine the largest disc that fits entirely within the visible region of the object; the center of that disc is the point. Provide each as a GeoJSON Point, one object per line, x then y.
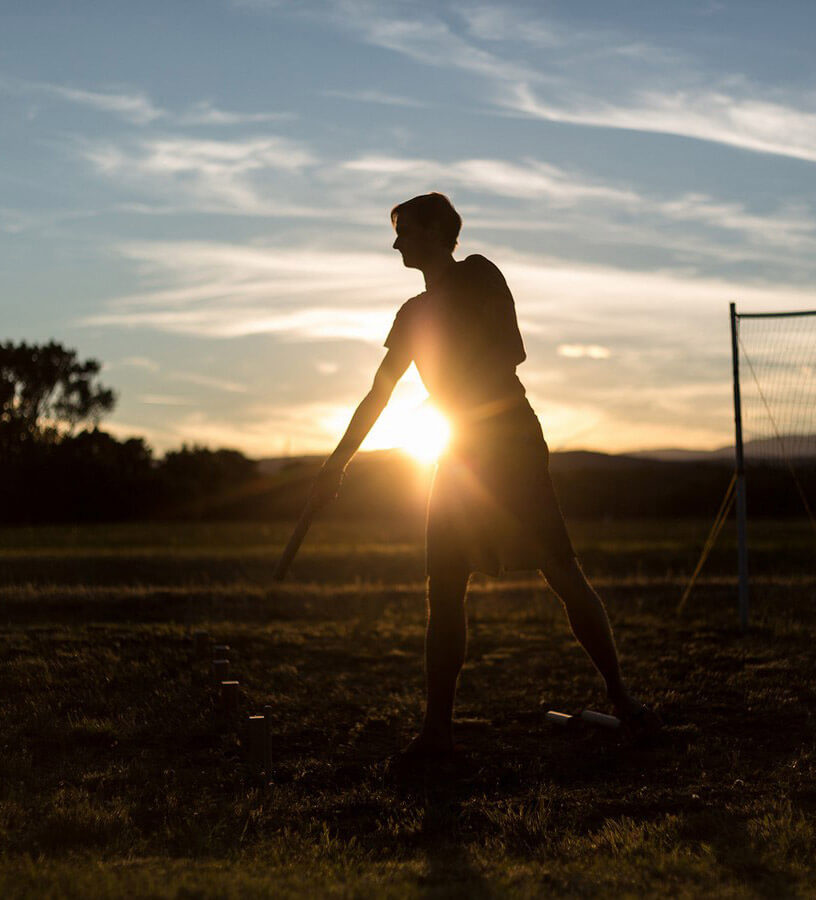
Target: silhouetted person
{"type": "Point", "coordinates": [492, 507]}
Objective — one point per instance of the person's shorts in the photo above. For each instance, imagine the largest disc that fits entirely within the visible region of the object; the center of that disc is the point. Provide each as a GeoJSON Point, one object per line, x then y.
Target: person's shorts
{"type": "Point", "coordinates": [493, 507]}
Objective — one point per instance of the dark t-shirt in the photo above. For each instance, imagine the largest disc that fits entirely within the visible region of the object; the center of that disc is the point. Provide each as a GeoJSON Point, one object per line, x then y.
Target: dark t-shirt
{"type": "Point", "coordinates": [463, 336]}
{"type": "Point", "coordinates": [493, 507]}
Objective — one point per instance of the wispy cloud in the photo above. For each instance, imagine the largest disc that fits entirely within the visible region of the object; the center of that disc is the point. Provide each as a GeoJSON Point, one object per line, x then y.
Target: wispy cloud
{"type": "Point", "coordinates": [141, 362]}
{"type": "Point", "coordinates": [792, 228]}
{"type": "Point", "coordinates": [16, 221]}
{"type": "Point", "coordinates": [529, 178]}
{"type": "Point", "coordinates": [205, 113]}
{"type": "Point", "coordinates": [163, 400]}
{"type": "Point", "coordinates": [750, 123]}
{"type": "Point", "coordinates": [225, 290]}
{"type": "Point", "coordinates": [214, 175]}
{"type": "Point", "coordinates": [132, 105]}
{"type": "Point", "coordinates": [581, 351]}
{"type": "Point", "coordinates": [503, 23]}
{"type": "Point", "coordinates": [601, 210]}
{"type": "Point", "coordinates": [208, 381]}
{"type": "Point", "coordinates": [426, 39]}
{"type": "Point", "coordinates": [136, 107]}
{"type": "Point", "coordinates": [643, 327]}
{"type": "Point", "coordinates": [372, 96]}
{"type": "Point", "coordinates": [568, 84]}
{"type": "Point", "coordinates": [572, 46]}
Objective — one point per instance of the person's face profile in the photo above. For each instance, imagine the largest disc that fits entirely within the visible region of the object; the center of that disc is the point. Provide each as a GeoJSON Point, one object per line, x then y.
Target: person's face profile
{"type": "Point", "coordinates": [414, 241]}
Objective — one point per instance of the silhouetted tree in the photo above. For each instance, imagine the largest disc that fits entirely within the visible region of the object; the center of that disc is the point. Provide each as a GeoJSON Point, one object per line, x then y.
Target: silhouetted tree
{"type": "Point", "coordinates": [45, 390]}
{"type": "Point", "coordinates": [197, 480]}
{"type": "Point", "coordinates": [91, 476]}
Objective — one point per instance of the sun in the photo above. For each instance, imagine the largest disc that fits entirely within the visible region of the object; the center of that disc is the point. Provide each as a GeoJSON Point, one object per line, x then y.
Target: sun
{"type": "Point", "coordinates": [408, 423]}
{"type": "Point", "coordinates": [415, 427]}
{"type": "Point", "coordinates": [426, 434]}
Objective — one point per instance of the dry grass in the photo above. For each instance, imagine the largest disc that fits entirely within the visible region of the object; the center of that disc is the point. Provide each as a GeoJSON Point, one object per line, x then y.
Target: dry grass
{"type": "Point", "coordinates": [116, 778]}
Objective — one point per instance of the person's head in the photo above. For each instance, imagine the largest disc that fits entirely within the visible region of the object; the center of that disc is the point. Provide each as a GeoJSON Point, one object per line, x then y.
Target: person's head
{"type": "Point", "coordinates": [427, 227]}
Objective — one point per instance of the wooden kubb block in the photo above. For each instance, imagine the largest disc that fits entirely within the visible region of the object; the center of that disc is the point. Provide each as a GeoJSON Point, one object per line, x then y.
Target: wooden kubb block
{"type": "Point", "coordinates": [220, 670]}
{"type": "Point", "coordinates": [201, 644]}
{"type": "Point", "coordinates": [229, 698]}
{"type": "Point", "coordinates": [258, 742]}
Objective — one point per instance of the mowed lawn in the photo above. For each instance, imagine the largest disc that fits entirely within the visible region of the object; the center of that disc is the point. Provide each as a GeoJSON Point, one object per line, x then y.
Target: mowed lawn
{"type": "Point", "coordinates": [117, 776]}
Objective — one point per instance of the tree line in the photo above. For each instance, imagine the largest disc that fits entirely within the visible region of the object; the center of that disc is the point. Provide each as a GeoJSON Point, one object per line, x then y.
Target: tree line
{"type": "Point", "coordinates": [58, 465]}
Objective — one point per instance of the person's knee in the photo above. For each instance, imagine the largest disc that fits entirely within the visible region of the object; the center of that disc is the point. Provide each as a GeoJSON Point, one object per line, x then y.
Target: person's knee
{"type": "Point", "coordinates": [562, 570]}
{"type": "Point", "coordinates": [446, 592]}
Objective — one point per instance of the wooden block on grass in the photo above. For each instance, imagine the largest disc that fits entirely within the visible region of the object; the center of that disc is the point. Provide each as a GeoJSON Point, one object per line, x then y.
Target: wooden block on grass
{"type": "Point", "coordinates": [258, 742]}
{"type": "Point", "coordinates": [201, 644]}
{"type": "Point", "coordinates": [560, 718]}
{"type": "Point", "coordinates": [229, 698]}
{"type": "Point", "coordinates": [220, 669]}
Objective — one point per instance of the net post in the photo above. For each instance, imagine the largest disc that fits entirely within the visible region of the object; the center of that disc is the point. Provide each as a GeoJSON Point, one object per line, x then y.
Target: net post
{"type": "Point", "coordinates": [742, 545]}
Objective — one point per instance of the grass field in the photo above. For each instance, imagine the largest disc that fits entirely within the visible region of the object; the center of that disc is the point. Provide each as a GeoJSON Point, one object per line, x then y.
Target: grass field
{"type": "Point", "coordinates": [116, 778]}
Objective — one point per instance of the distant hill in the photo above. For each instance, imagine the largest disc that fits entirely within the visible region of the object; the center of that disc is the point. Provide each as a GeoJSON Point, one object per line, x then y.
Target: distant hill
{"type": "Point", "coordinates": [797, 446]}
{"type": "Point", "coordinates": [589, 485]}
{"type": "Point", "coordinates": [271, 465]}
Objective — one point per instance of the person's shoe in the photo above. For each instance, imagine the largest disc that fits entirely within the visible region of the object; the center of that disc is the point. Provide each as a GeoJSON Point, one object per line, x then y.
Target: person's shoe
{"type": "Point", "coordinates": [426, 747]}
{"type": "Point", "coordinates": [642, 721]}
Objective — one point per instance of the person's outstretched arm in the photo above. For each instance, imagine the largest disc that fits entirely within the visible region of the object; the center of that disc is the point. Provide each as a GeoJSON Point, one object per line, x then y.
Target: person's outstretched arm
{"type": "Point", "coordinates": [327, 483]}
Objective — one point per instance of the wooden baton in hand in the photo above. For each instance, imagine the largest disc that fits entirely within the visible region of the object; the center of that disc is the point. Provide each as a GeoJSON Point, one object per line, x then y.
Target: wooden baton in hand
{"type": "Point", "coordinates": [292, 547]}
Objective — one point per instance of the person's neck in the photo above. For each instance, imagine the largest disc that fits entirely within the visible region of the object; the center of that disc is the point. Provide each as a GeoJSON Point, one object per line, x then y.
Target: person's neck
{"type": "Point", "coordinates": [436, 270]}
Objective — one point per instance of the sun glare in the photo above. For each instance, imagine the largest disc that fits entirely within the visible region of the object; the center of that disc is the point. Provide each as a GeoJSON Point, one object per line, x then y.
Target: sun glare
{"type": "Point", "coordinates": [426, 434]}
{"type": "Point", "coordinates": [409, 423]}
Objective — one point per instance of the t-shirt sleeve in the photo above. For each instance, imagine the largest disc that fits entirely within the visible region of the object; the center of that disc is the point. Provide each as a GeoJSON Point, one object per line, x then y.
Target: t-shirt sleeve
{"type": "Point", "coordinates": [401, 336]}
{"type": "Point", "coordinates": [498, 310]}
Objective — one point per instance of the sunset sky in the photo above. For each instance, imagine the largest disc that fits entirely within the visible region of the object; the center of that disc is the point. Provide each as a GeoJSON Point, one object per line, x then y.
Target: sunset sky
{"type": "Point", "coordinates": [197, 193]}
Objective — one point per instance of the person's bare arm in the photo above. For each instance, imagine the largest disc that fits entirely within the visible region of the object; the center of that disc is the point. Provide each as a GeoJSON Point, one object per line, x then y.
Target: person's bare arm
{"type": "Point", "coordinates": [327, 483]}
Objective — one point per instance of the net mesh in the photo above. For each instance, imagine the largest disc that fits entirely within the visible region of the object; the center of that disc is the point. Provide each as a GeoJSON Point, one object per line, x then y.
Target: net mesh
{"type": "Point", "coordinates": [778, 388]}
{"type": "Point", "coordinates": [778, 393]}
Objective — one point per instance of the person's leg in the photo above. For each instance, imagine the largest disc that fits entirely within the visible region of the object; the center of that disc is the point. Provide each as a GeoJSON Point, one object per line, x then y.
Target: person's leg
{"type": "Point", "coordinates": [590, 625]}
{"type": "Point", "coordinates": [445, 640]}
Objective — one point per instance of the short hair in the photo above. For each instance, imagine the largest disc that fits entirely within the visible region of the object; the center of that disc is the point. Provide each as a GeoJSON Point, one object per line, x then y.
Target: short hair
{"type": "Point", "coordinates": [431, 209]}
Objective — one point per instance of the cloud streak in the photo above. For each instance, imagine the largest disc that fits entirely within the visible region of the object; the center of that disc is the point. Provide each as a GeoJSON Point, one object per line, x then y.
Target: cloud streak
{"type": "Point", "coordinates": [524, 180]}
{"type": "Point", "coordinates": [136, 107]}
{"type": "Point", "coordinates": [574, 83]}
{"type": "Point", "coordinates": [227, 291]}
{"type": "Point", "coordinates": [749, 123]}
{"type": "Point", "coordinates": [216, 175]}
{"type": "Point", "coordinates": [380, 97]}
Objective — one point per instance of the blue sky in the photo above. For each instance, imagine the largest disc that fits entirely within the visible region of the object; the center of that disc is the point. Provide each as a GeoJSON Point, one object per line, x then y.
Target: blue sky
{"type": "Point", "coordinates": [197, 193]}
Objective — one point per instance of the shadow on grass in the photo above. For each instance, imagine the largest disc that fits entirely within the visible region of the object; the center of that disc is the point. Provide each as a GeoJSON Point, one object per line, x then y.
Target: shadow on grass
{"type": "Point", "coordinates": [736, 851]}
{"type": "Point", "coordinates": [450, 868]}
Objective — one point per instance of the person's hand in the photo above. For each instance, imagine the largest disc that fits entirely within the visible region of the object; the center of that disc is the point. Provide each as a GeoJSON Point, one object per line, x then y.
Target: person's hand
{"type": "Point", "coordinates": [326, 486]}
